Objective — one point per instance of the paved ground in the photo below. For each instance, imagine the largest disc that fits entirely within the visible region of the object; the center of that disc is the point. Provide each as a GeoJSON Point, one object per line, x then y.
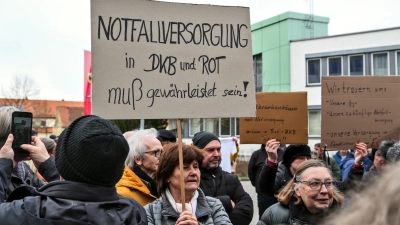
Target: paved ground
{"type": "Point", "coordinates": [252, 192]}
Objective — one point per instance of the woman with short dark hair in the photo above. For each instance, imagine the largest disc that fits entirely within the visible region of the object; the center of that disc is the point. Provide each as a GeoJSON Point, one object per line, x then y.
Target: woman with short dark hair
{"type": "Point", "coordinates": [307, 199]}
{"type": "Point", "coordinates": [200, 209]}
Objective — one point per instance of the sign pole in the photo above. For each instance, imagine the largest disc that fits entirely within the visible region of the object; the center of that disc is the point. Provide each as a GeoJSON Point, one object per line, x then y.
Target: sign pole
{"type": "Point", "coordinates": [181, 164]}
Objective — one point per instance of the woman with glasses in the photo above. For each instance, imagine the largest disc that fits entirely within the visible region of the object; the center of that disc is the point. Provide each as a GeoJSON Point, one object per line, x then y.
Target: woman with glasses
{"type": "Point", "coordinates": [307, 198]}
{"type": "Point", "coordinates": [167, 210]}
{"type": "Point", "coordinates": [138, 180]}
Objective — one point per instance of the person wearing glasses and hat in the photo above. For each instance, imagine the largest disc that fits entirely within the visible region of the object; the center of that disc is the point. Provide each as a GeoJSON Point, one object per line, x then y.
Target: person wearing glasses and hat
{"type": "Point", "coordinates": [138, 180]}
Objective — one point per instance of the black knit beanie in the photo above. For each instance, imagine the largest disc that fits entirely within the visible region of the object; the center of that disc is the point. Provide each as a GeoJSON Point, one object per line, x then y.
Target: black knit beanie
{"type": "Point", "coordinates": [91, 150]}
{"type": "Point", "coordinates": [202, 138]}
{"type": "Point", "coordinates": [293, 151]}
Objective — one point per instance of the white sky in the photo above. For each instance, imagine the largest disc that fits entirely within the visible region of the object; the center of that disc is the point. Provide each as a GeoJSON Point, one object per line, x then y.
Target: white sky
{"type": "Point", "coordinates": [46, 38]}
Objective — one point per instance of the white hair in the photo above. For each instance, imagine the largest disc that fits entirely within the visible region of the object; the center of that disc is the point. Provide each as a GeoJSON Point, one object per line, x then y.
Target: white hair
{"type": "Point", "coordinates": [5, 122]}
{"type": "Point", "coordinates": [137, 147]}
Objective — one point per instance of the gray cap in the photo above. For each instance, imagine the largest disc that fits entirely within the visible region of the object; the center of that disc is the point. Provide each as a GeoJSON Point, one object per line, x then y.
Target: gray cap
{"type": "Point", "coordinates": [49, 143]}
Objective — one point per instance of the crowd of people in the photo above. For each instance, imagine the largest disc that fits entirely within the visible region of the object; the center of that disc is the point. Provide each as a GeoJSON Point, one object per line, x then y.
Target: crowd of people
{"type": "Point", "coordinates": [94, 174]}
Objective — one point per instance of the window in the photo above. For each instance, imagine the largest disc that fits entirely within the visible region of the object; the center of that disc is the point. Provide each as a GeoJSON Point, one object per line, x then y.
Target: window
{"type": "Point", "coordinates": [398, 62]}
{"type": "Point", "coordinates": [313, 71]}
{"type": "Point", "coordinates": [380, 63]}
{"type": "Point", "coordinates": [257, 68]}
{"type": "Point", "coordinates": [356, 65]}
{"type": "Point", "coordinates": [194, 126]}
{"type": "Point", "coordinates": [237, 126]}
{"type": "Point", "coordinates": [335, 66]}
{"type": "Point", "coordinates": [225, 127]}
{"type": "Point", "coordinates": [314, 123]}
{"type": "Point", "coordinates": [210, 125]}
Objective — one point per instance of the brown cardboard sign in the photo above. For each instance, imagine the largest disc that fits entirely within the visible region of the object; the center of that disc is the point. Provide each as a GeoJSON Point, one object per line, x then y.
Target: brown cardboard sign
{"type": "Point", "coordinates": [155, 59]}
{"type": "Point", "coordinates": [280, 115]}
{"type": "Point", "coordinates": [358, 109]}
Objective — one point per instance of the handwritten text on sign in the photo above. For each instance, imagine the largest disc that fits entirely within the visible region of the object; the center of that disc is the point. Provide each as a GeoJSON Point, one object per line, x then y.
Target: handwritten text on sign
{"type": "Point", "coordinates": [280, 115]}
{"type": "Point", "coordinates": [149, 63]}
{"type": "Point", "coordinates": [360, 109]}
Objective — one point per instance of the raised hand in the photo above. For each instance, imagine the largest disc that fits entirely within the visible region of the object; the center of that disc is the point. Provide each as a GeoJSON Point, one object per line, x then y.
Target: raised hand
{"type": "Point", "coordinates": [271, 147]}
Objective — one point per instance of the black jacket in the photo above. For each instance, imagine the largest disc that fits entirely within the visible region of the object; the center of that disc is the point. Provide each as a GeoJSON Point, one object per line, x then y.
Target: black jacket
{"type": "Point", "coordinates": [256, 163]}
{"type": "Point", "coordinates": [226, 187]}
{"type": "Point", "coordinates": [271, 179]}
{"type": "Point", "coordinates": [29, 178]}
{"type": "Point", "coordinates": [66, 202]}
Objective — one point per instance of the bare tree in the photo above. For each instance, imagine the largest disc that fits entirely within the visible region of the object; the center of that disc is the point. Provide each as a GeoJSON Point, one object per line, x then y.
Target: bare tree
{"type": "Point", "coordinates": [22, 88]}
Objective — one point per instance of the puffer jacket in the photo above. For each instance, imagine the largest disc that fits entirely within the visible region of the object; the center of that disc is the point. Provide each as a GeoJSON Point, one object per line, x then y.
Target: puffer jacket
{"type": "Point", "coordinates": [67, 202]}
{"type": "Point", "coordinates": [208, 211]}
{"type": "Point", "coordinates": [279, 214]}
{"type": "Point", "coordinates": [132, 186]}
{"type": "Point", "coordinates": [226, 187]}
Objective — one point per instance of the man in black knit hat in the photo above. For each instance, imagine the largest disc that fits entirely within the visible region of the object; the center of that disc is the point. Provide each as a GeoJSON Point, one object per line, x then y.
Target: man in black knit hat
{"type": "Point", "coordinates": [90, 159]}
{"type": "Point", "coordinates": [220, 184]}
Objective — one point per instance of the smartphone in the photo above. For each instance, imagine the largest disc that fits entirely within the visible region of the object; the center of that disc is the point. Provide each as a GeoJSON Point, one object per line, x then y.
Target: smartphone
{"type": "Point", "coordinates": [21, 129]}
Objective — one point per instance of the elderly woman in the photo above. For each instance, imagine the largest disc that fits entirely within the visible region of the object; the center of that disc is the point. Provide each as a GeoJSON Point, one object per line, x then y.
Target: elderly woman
{"type": "Point", "coordinates": [200, 209]}
{"type": "Point", "coordinates": [308, 197]}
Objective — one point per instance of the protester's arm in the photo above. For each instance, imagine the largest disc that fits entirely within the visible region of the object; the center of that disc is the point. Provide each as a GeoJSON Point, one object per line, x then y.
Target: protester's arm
{"type": "Point", "coordinates": [266, 180]}
{"type": "Point", "coordinates": [252, 169]}
{"type": "Point", "coordinates": [243, 211]}
{"type": "Point", "coordinates": [48, 170]}
{"type": "Point", "coordinates": [6, 166]}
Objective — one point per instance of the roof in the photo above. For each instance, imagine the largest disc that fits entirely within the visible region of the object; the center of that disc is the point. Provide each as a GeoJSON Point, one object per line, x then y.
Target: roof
{"type": "Point", "coordinates": [347, 34]}
{"type": "Point", "coordinates": [41, 108]}
{"type": "Point", "coordinates": [69, 114]}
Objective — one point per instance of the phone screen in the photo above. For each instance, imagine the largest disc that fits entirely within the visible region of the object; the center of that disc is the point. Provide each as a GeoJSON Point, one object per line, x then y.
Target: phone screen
{"type": "Point", "coordinates": [22, 130]}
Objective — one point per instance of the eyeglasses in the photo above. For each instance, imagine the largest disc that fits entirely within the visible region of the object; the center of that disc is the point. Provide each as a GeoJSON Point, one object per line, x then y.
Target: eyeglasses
{"type": "Point", "coordinates": [157, 152]}
{"type": "Point", "coordinates": [317, 185]}
{"type": "Point", "coordinates": [213, 149]}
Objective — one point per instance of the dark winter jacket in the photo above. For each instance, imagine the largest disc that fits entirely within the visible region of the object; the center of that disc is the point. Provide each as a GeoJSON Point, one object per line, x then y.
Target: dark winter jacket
{"type": "Point", "coordinates": [272, 179]}
{"type": "Point", "coordinates": [208, 211]}
{"type": "Point", "coordinates": [226, 187]}
{"type": "Point", "coordinates": [66, 202]}
{"type": "Point", "coordinates": [26, 177]}
{"type": "Point", "coordinates": [279, 214]}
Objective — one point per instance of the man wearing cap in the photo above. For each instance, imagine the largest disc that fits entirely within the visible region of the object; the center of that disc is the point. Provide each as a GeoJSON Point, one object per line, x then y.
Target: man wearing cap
{"type": "Point", "coordinates": [90, 158]}
{"type": "Point", "coordinates": [138, 180]}
{"type": "Point", "coordinates": [54, 138]}
{"type": "Point", "coordinates": [220, 184]}
{"type": "Point", "coordinates": [166, 137]}
{"type": "Point", "coordinates": [275, 175]}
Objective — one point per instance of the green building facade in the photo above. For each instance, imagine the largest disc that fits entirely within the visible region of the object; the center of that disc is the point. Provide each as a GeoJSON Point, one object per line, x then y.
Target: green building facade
{"type": "Point", "coordinates": [271, 47]}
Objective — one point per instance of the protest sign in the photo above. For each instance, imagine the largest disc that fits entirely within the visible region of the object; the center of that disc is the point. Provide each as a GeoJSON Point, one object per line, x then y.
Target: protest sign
{"type": "Point", "coordinates": [358, 109]}
{"type": "Point", "coordinates": [171, 60]}
{"type": "Point", "coordinates": [280, 115]}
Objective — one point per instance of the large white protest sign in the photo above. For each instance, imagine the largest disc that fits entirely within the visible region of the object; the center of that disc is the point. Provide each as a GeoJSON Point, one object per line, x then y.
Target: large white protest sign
{"type": "Point", "coordinates": [171, 60]}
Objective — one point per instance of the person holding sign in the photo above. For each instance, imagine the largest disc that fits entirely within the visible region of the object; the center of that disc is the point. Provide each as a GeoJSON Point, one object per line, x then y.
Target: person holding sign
{"type": "Point", "coordinates": [167, 210]}
{"type": "Point", "coordinates": [330, 162]}
{"type": "Point", "coordinates": [220, 184]}
{"type": "Point", "coordinates": [274, 176]}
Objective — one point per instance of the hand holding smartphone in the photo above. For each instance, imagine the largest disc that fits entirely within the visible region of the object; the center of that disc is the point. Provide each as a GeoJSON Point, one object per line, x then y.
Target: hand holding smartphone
{"type": "Point", "coordinates": [21, 129]}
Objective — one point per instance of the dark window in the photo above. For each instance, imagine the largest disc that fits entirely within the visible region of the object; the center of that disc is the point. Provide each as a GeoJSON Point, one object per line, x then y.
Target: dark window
{"type": "Point", "coordinates": [314, 71]}
{"type": "Point", "coordinates": [335, 66]}
{"type": "Point", "coordinates": [257, 68]}
{"type": "Point", "coordinates": [356, 65]}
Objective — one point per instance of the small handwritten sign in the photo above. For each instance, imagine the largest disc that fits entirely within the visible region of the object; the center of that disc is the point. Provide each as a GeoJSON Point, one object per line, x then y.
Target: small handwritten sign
{"type": "Point", "coordinates": [358, 109]}
{"type": "Point", "coordinates": [156, 59]}
{"type": "Point", "coordinates": [280, 115]}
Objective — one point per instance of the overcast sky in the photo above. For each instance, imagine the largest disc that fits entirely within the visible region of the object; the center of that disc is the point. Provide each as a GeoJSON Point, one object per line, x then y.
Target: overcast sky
{"type": "Point", "coordinates": [46, 38]}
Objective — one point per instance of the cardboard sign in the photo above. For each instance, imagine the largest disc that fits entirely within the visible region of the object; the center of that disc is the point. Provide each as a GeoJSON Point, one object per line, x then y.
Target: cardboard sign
{"type": "Point", "coordinates": [280, 115]}
{"type": "Point", "coordinates": [358, 109]}
{"type": "Point", "coordinates": [171, 60]}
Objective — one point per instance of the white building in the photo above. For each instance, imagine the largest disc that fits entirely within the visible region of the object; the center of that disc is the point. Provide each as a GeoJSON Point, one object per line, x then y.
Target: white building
{"type": "Point", "coordinates": [369, 53]}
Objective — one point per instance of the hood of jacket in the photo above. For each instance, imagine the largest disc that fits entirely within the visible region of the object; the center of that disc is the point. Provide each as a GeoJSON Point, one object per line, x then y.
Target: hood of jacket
{"type": "Point", "coordinates": [130, 180]}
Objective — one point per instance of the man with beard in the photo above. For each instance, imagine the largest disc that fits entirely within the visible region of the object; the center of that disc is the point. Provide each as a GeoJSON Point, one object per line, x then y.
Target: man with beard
{"type": "Point", "coordinates": [220, 184]}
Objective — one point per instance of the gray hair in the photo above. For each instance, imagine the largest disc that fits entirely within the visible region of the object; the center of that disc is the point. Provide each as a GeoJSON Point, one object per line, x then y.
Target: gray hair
{"type": "Point", "coordinates": [390, 150]}
{"type": "Point", "coordinates": [5, 122]}
{"type": "Point", "coordinates": [137, 147]}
